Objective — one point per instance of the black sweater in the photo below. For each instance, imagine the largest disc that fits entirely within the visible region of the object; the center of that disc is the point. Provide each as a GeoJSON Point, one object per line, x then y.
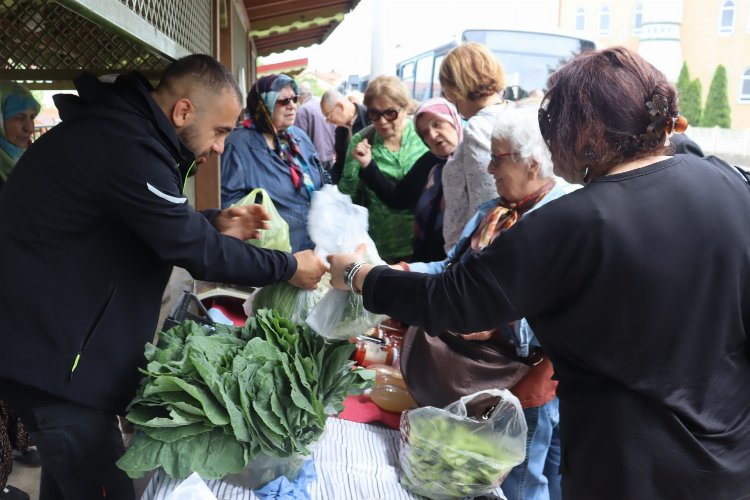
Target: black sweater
{"type": "Point", "coordinates": [92, 219]}
{"type": "Point", "coordinates": [404, 195]}
{"type": "Point", "coordinates": [638, 288]}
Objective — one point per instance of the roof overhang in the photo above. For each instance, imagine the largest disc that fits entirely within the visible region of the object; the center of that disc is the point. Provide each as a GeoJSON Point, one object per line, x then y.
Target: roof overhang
{"type": "Point", "coordinates": [290, 68]}
{"type": "Point", "coordinates": [279, 25]}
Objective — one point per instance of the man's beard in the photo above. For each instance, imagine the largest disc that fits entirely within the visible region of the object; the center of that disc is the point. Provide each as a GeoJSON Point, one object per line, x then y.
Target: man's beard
{"type": "Point", "coordinates": [188, 135]}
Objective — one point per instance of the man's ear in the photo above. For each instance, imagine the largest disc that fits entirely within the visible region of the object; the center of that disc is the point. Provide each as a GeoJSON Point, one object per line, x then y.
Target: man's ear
{"type": "Point", "coordinates": [183, 112]}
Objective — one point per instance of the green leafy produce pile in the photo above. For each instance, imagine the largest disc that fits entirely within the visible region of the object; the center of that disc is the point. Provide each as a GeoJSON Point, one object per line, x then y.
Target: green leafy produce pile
{"type": "Point", "coordinates": [444, 456]}
{"type": "Point", "coordinates": [215, 397]}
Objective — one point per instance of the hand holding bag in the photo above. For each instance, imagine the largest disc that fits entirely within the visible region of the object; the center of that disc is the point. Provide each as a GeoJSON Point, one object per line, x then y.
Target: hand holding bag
{"type": "Point", "coordinates": [276, 236]}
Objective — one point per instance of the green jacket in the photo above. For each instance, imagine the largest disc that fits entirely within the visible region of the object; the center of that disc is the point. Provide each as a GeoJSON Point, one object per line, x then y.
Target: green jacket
{"type": "Point", "coordinates": [391, 230]}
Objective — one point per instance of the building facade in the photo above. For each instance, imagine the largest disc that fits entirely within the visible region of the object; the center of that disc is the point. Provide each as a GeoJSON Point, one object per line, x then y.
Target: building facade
{"type": "Point", "coordinates": [703, 33]}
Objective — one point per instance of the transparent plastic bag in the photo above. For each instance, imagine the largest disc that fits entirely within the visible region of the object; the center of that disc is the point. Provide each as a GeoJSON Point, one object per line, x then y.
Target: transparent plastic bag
{"type": "Point", "coordinates": [445, 453]}
{"type": "Point", "coordinates": [290, 301]}
{"type": "Point", "coordinates": [276, 236]}
{"type": "Point", "coordinates": [336, 225]}
{"type": "Point", "coordinates": [340, 315]}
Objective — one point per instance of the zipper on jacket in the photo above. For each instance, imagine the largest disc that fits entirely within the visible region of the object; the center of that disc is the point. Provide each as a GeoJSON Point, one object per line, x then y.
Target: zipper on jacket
{"type": "Point", "coordinates": [90, 333]}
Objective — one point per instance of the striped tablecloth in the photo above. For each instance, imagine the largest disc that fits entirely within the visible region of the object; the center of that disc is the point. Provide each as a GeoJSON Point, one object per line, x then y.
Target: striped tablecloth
{"type": "Point", "coordinates": [353, 462]}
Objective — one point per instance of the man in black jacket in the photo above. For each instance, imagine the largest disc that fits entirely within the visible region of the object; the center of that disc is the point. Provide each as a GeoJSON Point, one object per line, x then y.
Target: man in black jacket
{"type": "Point", "coordinates": [91, 222]}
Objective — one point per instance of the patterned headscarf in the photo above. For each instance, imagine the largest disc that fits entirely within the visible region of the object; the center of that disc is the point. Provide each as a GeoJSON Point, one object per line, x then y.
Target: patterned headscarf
{"type": "Point", "coordinates": [14, 99]}
{"type": "Point", "coordinates": [440, 108]}
{"type": "Point", "coordinates": [261, 101]}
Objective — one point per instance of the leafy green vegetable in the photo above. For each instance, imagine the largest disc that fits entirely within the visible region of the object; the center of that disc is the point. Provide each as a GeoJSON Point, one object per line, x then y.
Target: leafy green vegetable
{"type": "Point", "coordinates": [213, 398]}
{"type": "Point", "coordinates": [445, 456]}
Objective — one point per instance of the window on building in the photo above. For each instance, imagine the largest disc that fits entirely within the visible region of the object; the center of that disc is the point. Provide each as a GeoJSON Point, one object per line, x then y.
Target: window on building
{"type": "Point", "coordinates": [745, 86]}
{"type": "Point", "coordinates": [604, 20]}
{"type": "Point", "coordinates": [580, 19]}
{"type": "Point", "coordinates": [726, 24]}
{"type": "Point", "coordinates": [638, 19]}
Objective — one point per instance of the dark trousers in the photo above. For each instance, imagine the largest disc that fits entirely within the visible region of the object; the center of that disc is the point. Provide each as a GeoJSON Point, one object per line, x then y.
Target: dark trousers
{"type": "Point", "coordinates": [78, 446]}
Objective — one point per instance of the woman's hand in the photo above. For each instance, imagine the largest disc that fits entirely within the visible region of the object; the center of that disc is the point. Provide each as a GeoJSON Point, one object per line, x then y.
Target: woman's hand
{"type": "Point", "coordinates": [243, 222]}
{"type": "Point", "coordinates": [309, 270]}
{"type": "Point", "coordinates": [363, 153]}
{"type": "Point", "coordinates": [339, 263]}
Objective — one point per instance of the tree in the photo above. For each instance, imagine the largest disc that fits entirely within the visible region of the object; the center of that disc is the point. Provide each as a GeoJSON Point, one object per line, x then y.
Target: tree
{"type": "Point", "coordinates": [717, 111]}
{"type": "Point", "coordinates": [689, 94]}
{"type": "Point", "coordinates": [683, 81]}
{"type": "Point", "coordinates": [690, 104]}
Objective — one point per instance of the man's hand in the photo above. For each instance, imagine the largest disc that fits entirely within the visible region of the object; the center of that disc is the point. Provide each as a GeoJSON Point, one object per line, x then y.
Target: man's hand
{"type": "Point", "coordinates": [363, 153]}
{"type": "Point", "coordinates": [243, 222]}
{"type": "Point", "coordinates": [309, 270]}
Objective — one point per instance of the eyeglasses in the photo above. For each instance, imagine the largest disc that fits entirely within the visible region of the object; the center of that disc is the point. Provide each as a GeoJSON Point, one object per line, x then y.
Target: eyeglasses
{"type": "Point", "coordinates": [389, 114]}
{"type": "Point", "coordinates": [496, 160]}
{"type": "Point", "coordinates": [327, 116]}
{"type": "Point", "coordinates": [285, 101]}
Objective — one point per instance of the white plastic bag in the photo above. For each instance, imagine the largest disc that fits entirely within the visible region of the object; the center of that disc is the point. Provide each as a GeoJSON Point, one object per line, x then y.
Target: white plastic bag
{"type": "Point", "coordinates": [192, 488]}
{"type": "Point", "coordinates": [445, 453]}
{"type": "Point", "coordinates": [336, 225]}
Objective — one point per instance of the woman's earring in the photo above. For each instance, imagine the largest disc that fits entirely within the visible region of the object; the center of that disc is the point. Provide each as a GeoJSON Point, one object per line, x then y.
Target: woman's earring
{"type": "Point", "coordinates": [586, 175]}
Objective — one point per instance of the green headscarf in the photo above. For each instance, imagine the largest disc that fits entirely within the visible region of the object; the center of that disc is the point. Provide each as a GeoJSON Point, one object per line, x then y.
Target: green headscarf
{"type": "Point", "coordinates": [14, 99]}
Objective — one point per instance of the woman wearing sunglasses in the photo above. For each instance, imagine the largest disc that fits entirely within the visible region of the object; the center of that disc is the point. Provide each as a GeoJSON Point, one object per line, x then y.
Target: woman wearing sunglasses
{"type": "Point", "coordinates": [438, 125]}
{"type": "Point", "coordinates": [269, 152]}
{"type": "Point", "coordinates": [394, 145]}
{"type": "Point", "coordinates": [473, 80]}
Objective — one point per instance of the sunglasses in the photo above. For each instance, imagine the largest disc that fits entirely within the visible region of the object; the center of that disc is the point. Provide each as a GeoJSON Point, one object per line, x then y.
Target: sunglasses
{"type": "Point", "coordinates": [287, 100]}
{"type": "Point", "coordinates": [389, 114]}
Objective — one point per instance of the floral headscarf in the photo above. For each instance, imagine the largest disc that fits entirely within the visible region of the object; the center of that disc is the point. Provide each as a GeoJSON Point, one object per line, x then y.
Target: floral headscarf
{"type": "Point", "coordinates": [440, 108]}
{"type": "Point", "coordinates": [261, 101]}
{"type": "Point", "coordinates": [14, 99]}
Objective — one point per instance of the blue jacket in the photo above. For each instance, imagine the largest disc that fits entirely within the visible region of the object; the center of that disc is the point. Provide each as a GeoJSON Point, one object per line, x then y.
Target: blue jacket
{"type": "Point", "coordinates": [248, 163]}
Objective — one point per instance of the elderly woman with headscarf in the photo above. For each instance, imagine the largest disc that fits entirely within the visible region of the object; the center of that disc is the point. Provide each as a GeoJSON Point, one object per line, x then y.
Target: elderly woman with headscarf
{"type": "Point", "coordinates": [18, 108]}
{"type": "Point", "coordinates": [269, 152]}
{"type": "Point", "coordinates": [438, 125]}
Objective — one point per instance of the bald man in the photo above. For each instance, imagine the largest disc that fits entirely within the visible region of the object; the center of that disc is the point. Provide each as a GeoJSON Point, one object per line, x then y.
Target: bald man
{"type": "Point", "coordinates": [349, 119]}
{"type": "Point", "coordinates": [91, 222]}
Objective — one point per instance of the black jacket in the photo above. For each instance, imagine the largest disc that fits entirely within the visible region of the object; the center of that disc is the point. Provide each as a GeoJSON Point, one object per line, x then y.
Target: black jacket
{"type": "Point", "coordinates": [429, 246]}
{"type": "Point", "coordinates": [637, 288]}
{"type": "Point", "coordinates": [92, 219]}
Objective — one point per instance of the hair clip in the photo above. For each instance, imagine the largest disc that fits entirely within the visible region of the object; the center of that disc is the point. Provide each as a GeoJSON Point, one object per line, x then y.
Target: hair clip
{"type": "Point", "coordinates": [679, 125]}
{"type": "Point", "coordinates": [658, 110]}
